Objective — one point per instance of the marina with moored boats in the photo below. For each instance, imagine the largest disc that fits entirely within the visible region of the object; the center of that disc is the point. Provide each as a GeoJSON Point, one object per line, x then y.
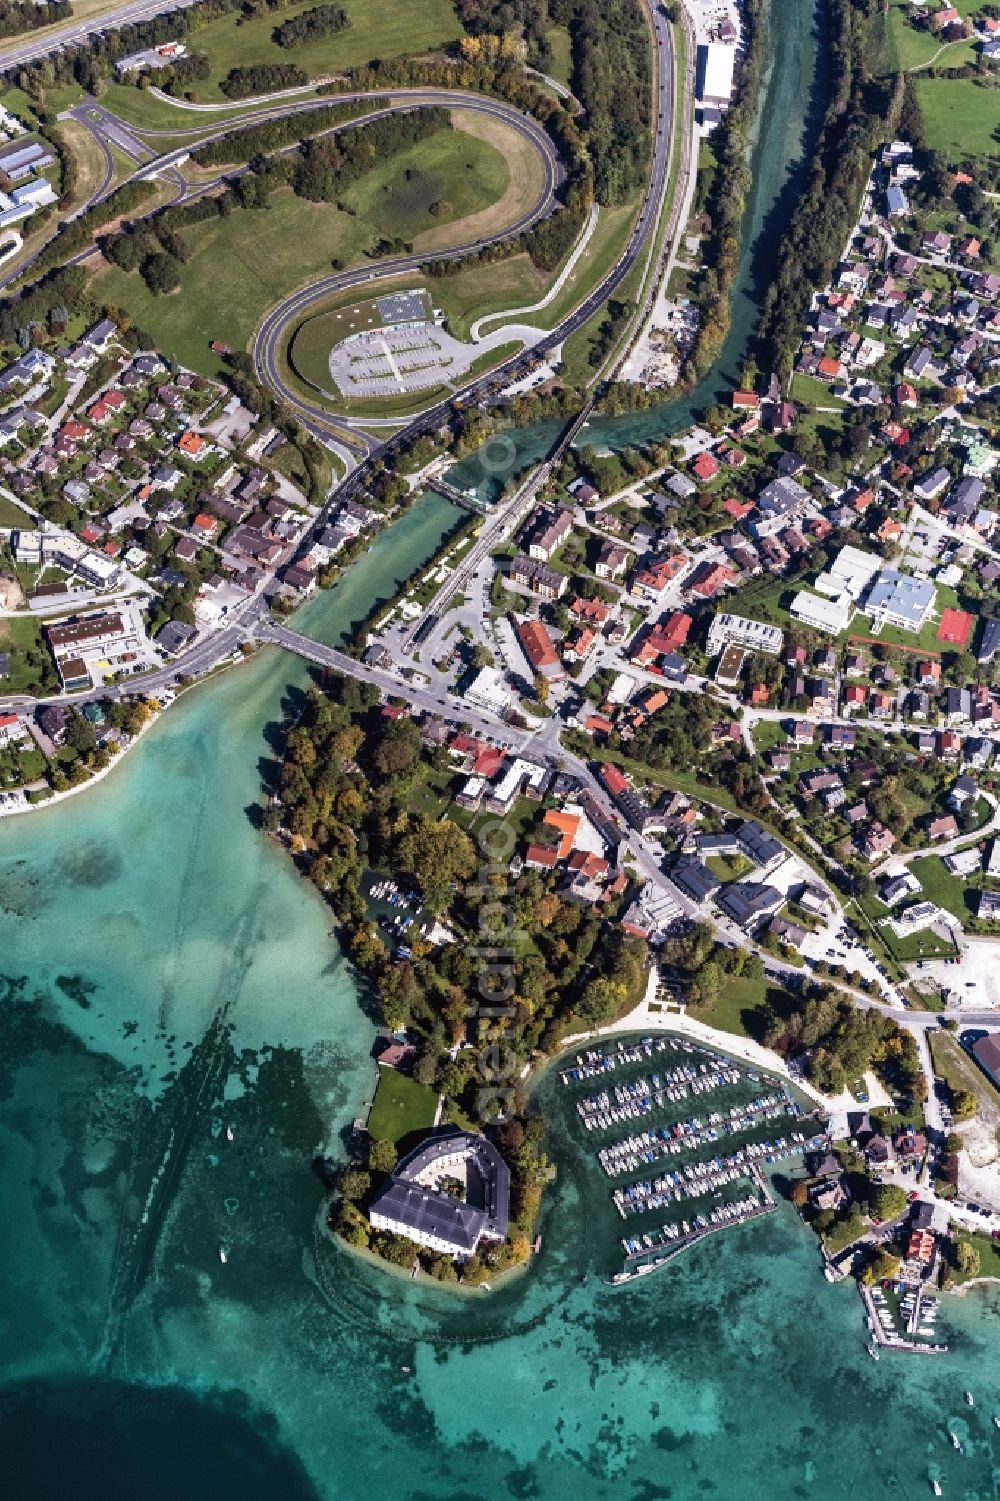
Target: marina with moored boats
{"type": "Point", "coordinates": [707, 1167]}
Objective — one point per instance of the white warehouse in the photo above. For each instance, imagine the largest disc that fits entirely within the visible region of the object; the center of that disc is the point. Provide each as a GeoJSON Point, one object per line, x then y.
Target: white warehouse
{"type": "Point", "coordinates": [716, 66]}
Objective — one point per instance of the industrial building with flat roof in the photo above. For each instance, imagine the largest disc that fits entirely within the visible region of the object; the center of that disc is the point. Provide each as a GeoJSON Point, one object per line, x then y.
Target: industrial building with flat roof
{"type": "Point", "coordinates": [727, 630]}
{"type": "Point", "coordinates": [829, 615]}
{"type": "Point", "coordinates": [898, 599]}
{"type": "Point", "coordinates": [716, 67]}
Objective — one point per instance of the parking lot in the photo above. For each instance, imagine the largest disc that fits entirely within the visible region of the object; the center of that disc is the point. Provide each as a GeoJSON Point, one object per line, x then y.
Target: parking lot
{"type": "Point", "coordinates": [976, 981]}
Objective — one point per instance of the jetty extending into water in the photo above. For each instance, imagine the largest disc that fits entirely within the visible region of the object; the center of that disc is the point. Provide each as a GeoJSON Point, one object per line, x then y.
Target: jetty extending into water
{"type": "Point", "coordinates": [641, 1261]}
{"type": "Point", "coordinates": [882, 1324]}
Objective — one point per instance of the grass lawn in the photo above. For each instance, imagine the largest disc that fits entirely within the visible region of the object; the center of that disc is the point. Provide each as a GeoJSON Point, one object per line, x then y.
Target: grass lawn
{"type": "Point", "coordinates": [12, 515]}
{"type": "Point", "coordinates": [400, 1106]}
{"type": "Point", "coordinates": [951, 892]}
{"type": "Point", "coordinates": [378, 29]}
{"type": "Point", "coordinates": [925, 945]}
{"type": "Point", "coordinates": [310, 348]}
{"type": "Point", "coordinates": [476, 290]}
{"type": "Point", "coordinates": [256, 255]}
{"type": "Point", "coordinates": [145, 111]}
{"type": "Point", "coordinates": [20, 634]}
{"type": "Point", "coordinates": [88, 156]}
{"type": "Point", "coordinates": [739, 1000]}
{"type": "Point", "coordinates": [915, 47]}
{"type": "Point", "coordinates": [259, 255]}
{"type": "Point", "coordinates": [729, 867]}
{"type": "Point", "coordinates": [562, 53]}
{"type": "Point", "coordinates": [958, 1070]}
{"type": "Point", "coordinates": [989, 1256]}
{"type": "Point", "coordinates": [959, 116]}
{"type": "Point", "coordinates": [815, 393]}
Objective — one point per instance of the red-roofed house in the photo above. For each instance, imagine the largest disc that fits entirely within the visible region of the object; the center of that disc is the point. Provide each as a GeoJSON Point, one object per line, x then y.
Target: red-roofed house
{"type": "Point", "coordinates": [591, 610]}
{"type": "Point", "coordinates": [538, 648]}
{"type": "Point", "coordinates": [829, 368]}
{"type": "Point", "coordinates": [745, 401]}
{"type": "Point", "coordinates": [709, 579]}
{"type": "Point", "coordinates": [586, 863]}
{"type": "Point", "coordinates": [579, 642]}
{"type": "Point", "coordinates": [737, 508]}
{"type": "Point", "coordinates": [674, 631]}
{"type": "Point", "coordinates": [487, 761]}
{"type": "Point", "coordinates": [614, 780]}
{"type": "Point", "coordinates": [191, 444]}
{"type": "Point", "coordinates": [567, 826]}
{"type": "Point", "coordinates": [540, 857]}
{"type": "Point", "coordinates": [598, 724]}
{"type": "Point", "coordinates": [705, 467]}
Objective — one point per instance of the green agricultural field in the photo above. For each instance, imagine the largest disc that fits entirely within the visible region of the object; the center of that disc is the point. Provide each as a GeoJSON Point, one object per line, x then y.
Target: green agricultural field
{"type": "Point", "coordinates": [242, 264]}
{"type": "Point", "coordinates": [457, 173]}
{"type": "Point", "coordinates": [960, 118]}
{"type": "Point", "coordinates": [378, 29]}
{"type": "Point", "coordinates": [401, 1106]}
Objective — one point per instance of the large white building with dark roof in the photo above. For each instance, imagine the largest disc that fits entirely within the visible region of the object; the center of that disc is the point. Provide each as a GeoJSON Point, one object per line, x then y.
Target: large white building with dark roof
{"type": "Point", "coordinates": [415, 1201]}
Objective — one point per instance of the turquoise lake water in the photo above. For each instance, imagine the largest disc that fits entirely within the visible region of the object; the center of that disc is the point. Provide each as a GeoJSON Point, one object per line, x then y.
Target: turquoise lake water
{"type": "Point", "coordinates": [165, 975]}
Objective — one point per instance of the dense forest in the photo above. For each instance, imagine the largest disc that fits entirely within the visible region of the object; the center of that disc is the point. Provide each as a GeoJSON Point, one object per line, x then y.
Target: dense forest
{"type": "Point", "coordinates": [275, 135]}
{"type": "Point", "coordinates": [18, 16]}
{"type": "Point", "coordinates": [323, 20]}
{"type": "Point", "coordinates": [262, 78]}
{"type": "Point", "coordinates": [347, 798]}
{"type": "Point", "coordinates": [612, 78]}
{"type": "Point", "coordinates": [862, 113]}
{"type": "Point", "coordinates": [728, 185]}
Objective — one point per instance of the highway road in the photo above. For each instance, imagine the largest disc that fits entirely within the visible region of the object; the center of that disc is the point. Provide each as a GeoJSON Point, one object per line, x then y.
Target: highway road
{"type": "Point", "coordinates": [109, 130]}
{"type": "Point", "coordinates": [17, 51]}
{"type": "Point", "coordinates": [337, 433]}
{"type": "Point", "coordinates": [282, 319]}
